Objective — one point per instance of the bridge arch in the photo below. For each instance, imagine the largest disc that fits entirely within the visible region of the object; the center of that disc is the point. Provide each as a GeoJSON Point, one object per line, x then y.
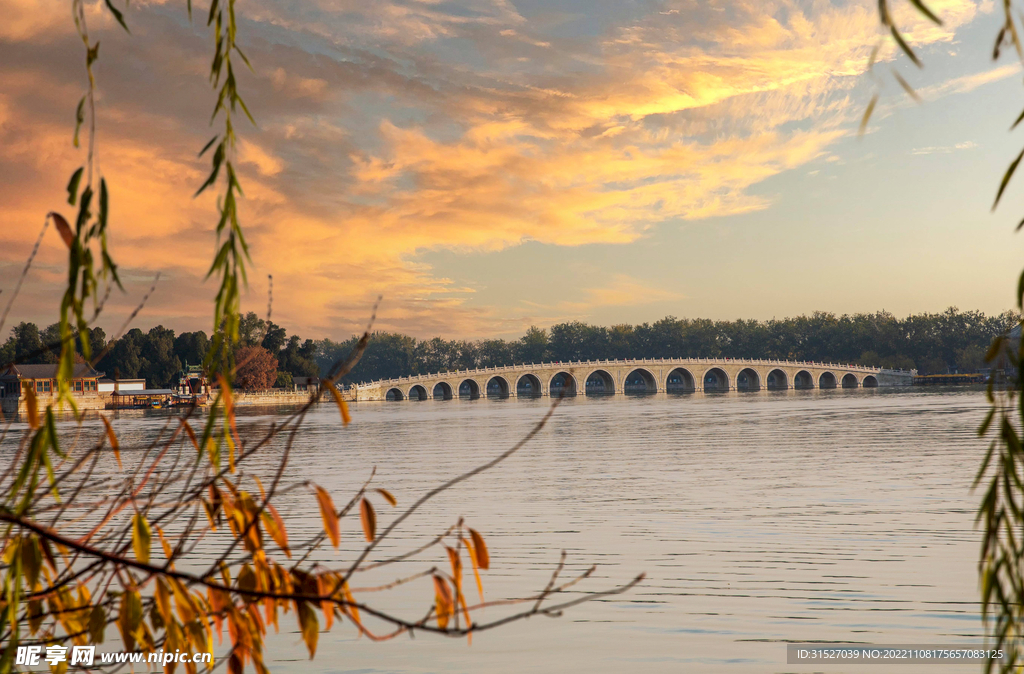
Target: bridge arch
{"type": "Point", "coordinates": [562, 383]}
{"type": "Point", "coordinates": [669, 375]}
{"type": "Point", "coordinates": [748, 380]}
{"type": "Point", "coordinates": [777, 380]}
{"type": "Point", "coordinates": [528, 386]}
{"type": "Point", "coordinates": [680, 380]}
{"type": "Point", "coordinates": [640, 381]}
{"type": "Point", "coordinates": [469, 389]}
{"type": "Point", "coordinates": [803, 380]}
{"type": "Point", "coordinates": [715, 380]}
{"type": "Point", "coordinates": [599, 382]}
{"type": "Point", "coordinates": [827, 380]}
{"type": "Point", "coordinates": [498, 387]}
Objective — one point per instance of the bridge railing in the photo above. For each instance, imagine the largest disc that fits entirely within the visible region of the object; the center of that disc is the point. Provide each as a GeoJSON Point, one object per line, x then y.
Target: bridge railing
{"type": "Point", "coordinates": [627, 361]}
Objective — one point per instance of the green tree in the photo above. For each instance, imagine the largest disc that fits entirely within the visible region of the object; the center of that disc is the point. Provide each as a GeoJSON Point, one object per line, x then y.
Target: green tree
{"type": "Point", "coordinates": [275, 338]}
{"type": "Point", "coordinates": [299, 358]}
{"type": "Point", "coordinates": [970, 359]}
{"type": "Point", "coordinates": [51, 339]}
{"type": "Point", "coordinates": [159, 366]}
{"type": "Point", "coordinates": [97, 341]}
{"type": "Point", "coordinates": [251, 329]}
{"type": "Point", "coordinates": [533, 346]}
{"type": "Point", "coordinates": [495, 353]}
{"type": "Point", "coordinates": [870, 358]}
{"type": "Point", "coordinates": [191, 347]}
{"type": "Point", "coordinates": [6, 353]}
{"type": "Point", "coordinates": [620, 341]}
{"type": "Point", "coordinates": [27, 346]}
{"type": "Point", "coordinates": [466, 355]}
{"type": "Point", "coordinates": [435, 355]}
{"type": "Point", "coordinates": [124, 361]}
{"type": "Point", "coordinates": [576, 340]}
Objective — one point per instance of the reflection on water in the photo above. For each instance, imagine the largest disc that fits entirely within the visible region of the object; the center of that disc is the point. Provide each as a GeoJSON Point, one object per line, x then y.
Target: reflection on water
{"type": "Point", "coordinates": [759, 518]}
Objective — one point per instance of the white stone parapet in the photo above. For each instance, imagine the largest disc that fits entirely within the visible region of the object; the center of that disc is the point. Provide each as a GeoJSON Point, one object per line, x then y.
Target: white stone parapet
{"type": "Point", "coordinates": [652, 375]}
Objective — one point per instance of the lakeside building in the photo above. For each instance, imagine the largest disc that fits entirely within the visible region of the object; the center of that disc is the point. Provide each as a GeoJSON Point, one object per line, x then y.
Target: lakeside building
{"type": "Point", "coordinates": [109, 386]}
{"type": "Point", "coordinates": [42, 378]}
{"type": "Point", "coordinates": [311, 384]}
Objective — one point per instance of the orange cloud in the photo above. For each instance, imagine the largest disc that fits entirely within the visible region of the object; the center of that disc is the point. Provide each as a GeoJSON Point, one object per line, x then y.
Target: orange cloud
{"type": "Point", "coordinates": [376, 144]}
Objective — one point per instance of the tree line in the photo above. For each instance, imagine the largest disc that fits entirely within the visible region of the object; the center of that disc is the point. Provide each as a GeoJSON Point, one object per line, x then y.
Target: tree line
{"type": "Point", "coordinates": [933, 343]}
{"type": "Point", "coordinates": [267, 356]}
{"type": "Point", "coordinates": [951, 341]}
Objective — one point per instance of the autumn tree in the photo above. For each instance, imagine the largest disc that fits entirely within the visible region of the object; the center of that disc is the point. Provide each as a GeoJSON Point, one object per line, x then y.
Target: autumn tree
{"type": "Point", "coordinates": [256, 369]}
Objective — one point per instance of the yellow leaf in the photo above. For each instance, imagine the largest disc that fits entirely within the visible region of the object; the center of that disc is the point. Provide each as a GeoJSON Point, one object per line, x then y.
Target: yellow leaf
{"type": "Point", "coordinates": [48, 558]}
{"type": "Point", "coordinates": [476, 570]}
{"type": "Point", "coordinates": [352, 609]}
{"type": "Point", "coordinates": [31, 559]}
{"type": "Point", "coordinates": [168, 550]}
{"type": "Point", "coordinates": [219, 603]}
{"type": "Point", "coordinates": [129, 618]}
{"type": "Point", "coordinates": [231, 452]}
{"type": "Point", "coordinates": [275, 527]}
{"type": "Point", "coordinates": [163, 600]}
{"type": "Point", "coordinates": [31, 405]}
{"type": "Point", "coordinates": [369, 519]}
{"type": "Point", "coordinates": [97, 624]}
{"type": "Point", "coordinates": [208, 509]}
{"type": "Point", "coordinates": [324, 588]}
{"type": "Point", "coordinates": [112, 438]}
{"type": "Point", "coordinates": [443, 601]}
{"type": "Point", "coordinates": [387, 496]}
{"type": "Point", "coordinates": [229, 417]}
{"type": "Point", "coordinates": [456, 562]}
{"type": "Point", "coordinates": [35, 614]}
{"type": "Point", "coordinates": [191, 434]}
{"type": "Point", "coordinates": [246, 579]}
{"type": "Point", "coordinates": [328, 513]}
{"type": "Point", "coordinates": [185, 603]}
{"type": "Point", "coordinates": [346, 418]}
{"type": "Point", "coordinates": [142, 537]}
{"type": "Point", "coordinates": [259, 483]}
{"type": "Point", "coordinates": [483, 558]}
{"type": "Point", "coordinates": [309, 626]}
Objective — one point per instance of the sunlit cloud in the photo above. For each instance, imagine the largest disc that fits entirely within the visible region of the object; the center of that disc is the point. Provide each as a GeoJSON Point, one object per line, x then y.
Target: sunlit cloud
{"type": "Point", "coordinates": [944, 149]}
{"type": "Point", "coordinates": [392, 128]}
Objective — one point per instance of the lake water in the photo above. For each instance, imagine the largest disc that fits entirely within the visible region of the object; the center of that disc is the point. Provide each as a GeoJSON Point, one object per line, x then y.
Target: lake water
{"type": "Point", "coordinates": [758, 518]}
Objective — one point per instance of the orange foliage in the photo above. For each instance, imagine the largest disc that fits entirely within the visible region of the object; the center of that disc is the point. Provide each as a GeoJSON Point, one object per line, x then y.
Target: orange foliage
{"type": "Point", "coordinates": [256, 368]}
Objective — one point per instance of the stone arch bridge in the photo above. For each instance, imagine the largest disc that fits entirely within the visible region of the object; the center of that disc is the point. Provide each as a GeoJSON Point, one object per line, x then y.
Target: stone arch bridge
{"type": "Point", "coordinates": [615, 377]}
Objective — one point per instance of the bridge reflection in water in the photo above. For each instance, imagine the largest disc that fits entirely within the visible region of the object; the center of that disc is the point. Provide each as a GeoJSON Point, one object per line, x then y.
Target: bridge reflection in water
{"type": "Point", "coordinates": [631, 377]}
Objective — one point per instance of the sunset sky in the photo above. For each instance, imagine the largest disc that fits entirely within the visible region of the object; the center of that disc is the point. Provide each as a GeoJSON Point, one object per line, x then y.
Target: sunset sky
{"type": "Point", "coordinates": [486, 165]}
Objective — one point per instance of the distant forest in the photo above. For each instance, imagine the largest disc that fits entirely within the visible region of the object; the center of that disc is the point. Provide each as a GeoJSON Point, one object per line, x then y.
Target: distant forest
{"type": "Point", "coordinates": [951, 341]}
